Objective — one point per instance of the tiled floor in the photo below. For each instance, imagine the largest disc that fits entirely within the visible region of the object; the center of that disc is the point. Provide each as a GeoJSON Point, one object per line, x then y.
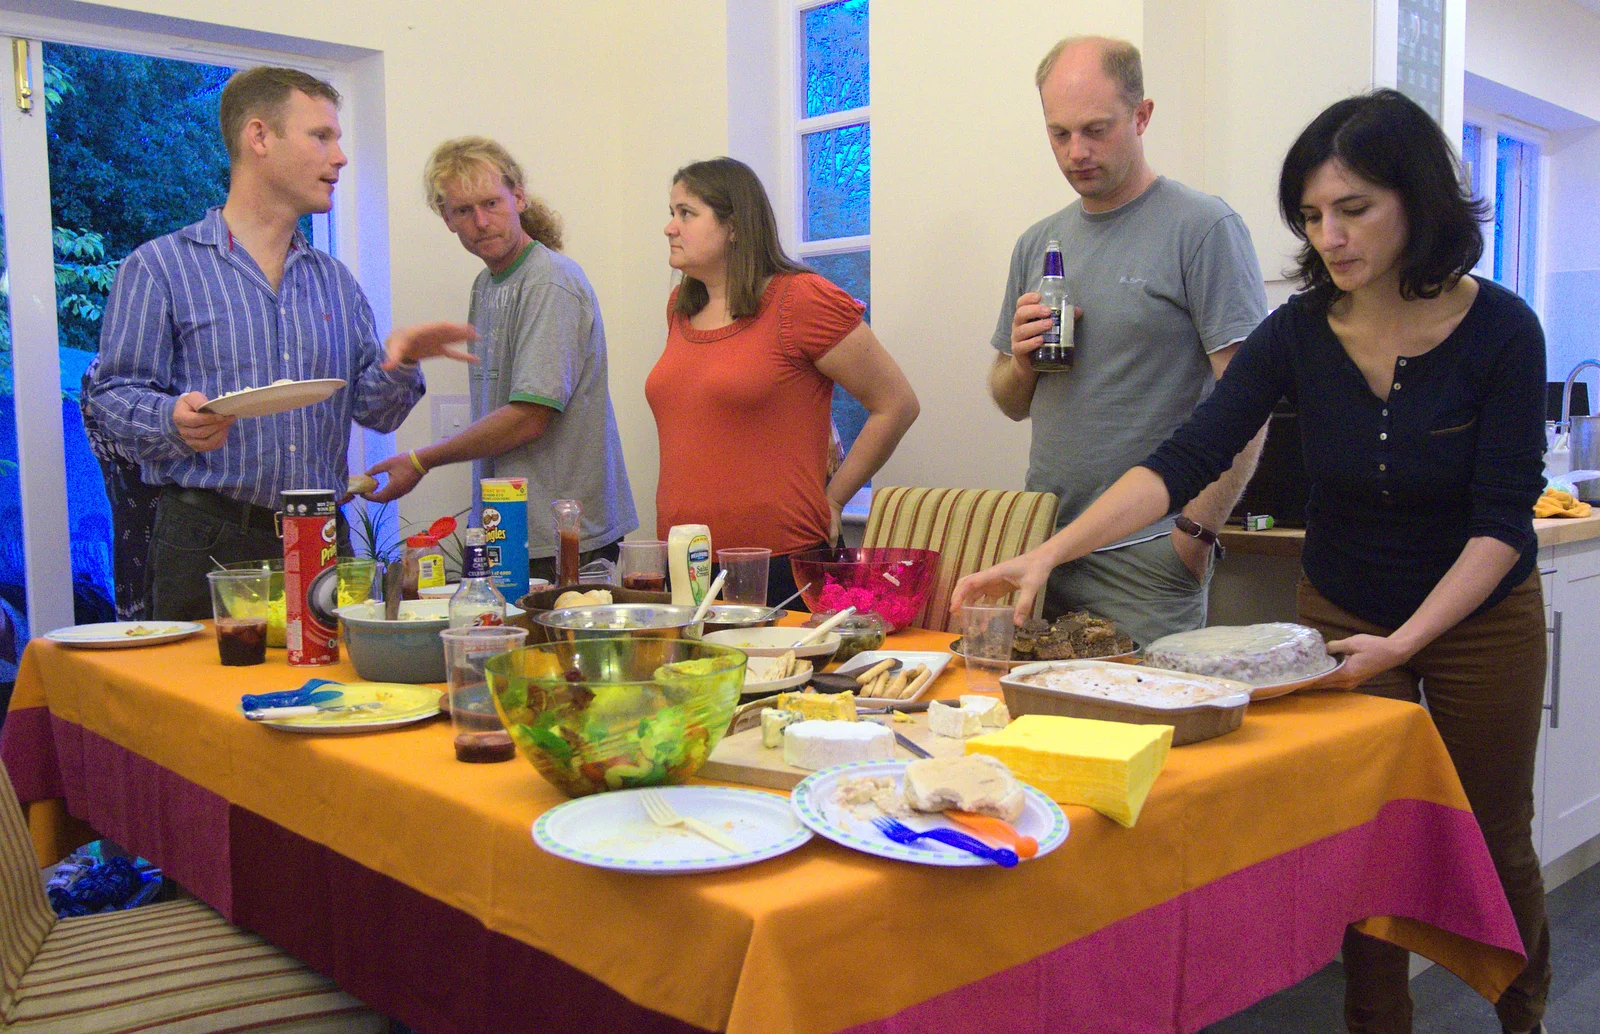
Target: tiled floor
{"type": "Point", "coordinates": [1444, 1005]}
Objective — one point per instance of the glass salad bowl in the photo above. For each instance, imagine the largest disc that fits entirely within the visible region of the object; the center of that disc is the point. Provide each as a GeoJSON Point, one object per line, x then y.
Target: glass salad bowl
{"type": "Point", "coordinates": [608, 714]}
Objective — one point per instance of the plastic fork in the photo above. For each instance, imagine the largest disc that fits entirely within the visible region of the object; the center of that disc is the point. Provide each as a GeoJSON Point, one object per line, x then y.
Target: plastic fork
{"type": "Point", "coordinates": [901, 833]}
{"type": "Point", "coordinates": [664, 814]}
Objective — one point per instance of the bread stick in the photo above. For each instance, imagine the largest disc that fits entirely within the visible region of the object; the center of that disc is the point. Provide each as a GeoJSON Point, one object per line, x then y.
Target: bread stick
{"type": "Point", "coordinates": [923, 675]}
{"type": "Point", "coordinates": [880, 685]}
{"type": "Point", "coordinates": [873, 672]}
{"type": "Point", "coordinates": [897, 685]}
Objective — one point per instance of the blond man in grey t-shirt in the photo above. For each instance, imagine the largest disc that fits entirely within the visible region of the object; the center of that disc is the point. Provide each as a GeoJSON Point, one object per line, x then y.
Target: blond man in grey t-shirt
{"type": "Point", "coordinates": [1167, 284]}
{"type": "Point", "coordinates": [541, 401]}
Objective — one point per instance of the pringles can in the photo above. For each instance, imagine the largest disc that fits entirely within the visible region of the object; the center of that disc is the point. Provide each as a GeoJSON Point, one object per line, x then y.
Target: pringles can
{"type": "Point", "coordinates": [505, 533]}
{"type": "Point", "coordinates": [310, 576]}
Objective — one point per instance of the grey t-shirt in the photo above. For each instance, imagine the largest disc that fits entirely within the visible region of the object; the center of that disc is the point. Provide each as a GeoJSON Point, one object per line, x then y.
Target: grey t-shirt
{"type": "Point", "coordinates": [541, 340]}
{"type": "Point", "coordinates": [1163, 280]}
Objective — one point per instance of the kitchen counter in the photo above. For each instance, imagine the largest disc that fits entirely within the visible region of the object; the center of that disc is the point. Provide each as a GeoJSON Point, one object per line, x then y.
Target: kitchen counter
{"type": "Point", "coordinates": [1286, 542]}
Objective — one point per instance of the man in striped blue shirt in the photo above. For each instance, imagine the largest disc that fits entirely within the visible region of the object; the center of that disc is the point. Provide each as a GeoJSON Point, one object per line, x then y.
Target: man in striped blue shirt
{"type": "Point", "coordinates": [240, 300]}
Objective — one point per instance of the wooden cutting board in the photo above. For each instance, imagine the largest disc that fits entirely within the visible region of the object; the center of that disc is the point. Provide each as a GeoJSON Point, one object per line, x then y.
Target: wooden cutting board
{"type": "Point", "coordinates": [740, 757]}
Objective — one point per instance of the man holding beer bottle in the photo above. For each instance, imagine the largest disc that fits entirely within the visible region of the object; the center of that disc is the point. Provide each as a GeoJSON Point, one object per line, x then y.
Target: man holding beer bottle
{"type": "Point", "coordinates": [1165, 284]}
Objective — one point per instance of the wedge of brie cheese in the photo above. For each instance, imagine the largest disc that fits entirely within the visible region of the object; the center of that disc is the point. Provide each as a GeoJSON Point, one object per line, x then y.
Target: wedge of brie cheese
{"type": "Point", "coordinates": [992, 712]}
{"type": "Point", "coordinates": [972, 782]}
{"type": "Point", "coordinates": [955, 722]}
{"type": "Point", "coordinates": [818, 744]}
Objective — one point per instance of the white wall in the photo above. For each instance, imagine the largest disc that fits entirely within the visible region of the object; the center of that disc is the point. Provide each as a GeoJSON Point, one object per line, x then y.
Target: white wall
{"type": "Point", "coordinates": [1547, 48]}
{"type": "Point", "coordinates": [599, 102]}
{"type": "Point", "coordinates": [1537, 62]}
{"type": "Point", "coordinates": [962, 166]}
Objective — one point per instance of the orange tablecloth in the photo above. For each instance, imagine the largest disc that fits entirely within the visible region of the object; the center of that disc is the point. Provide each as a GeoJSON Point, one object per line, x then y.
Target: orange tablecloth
{"type": "Point", "coordinates": [823, 939]}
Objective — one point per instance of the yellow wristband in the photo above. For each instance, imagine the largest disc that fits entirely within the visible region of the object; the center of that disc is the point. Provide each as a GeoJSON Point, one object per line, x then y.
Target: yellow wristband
{"type": "Point", "coordinates": [417, 463]}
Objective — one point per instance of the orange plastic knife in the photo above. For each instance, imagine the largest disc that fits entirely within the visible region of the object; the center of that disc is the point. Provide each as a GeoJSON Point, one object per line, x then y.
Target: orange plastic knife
{"type": "Point", "coordinates": [996, 829]}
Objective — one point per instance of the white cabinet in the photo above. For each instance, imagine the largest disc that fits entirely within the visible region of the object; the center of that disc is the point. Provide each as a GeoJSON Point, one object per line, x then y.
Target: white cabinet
{"type": "Point", "coordinates": [1568, 787]}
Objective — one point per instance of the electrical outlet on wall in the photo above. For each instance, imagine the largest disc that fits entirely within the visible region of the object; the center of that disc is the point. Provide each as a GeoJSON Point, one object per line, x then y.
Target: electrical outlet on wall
{"type": "Point", "coordinates": [451, 414]}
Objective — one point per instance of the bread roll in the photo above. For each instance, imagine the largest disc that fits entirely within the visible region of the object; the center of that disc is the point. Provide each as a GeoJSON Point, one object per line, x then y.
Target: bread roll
{"type": "Point", "coordinates": [971, 782]}
{"type": "Point", "coordinates": [361, 484]}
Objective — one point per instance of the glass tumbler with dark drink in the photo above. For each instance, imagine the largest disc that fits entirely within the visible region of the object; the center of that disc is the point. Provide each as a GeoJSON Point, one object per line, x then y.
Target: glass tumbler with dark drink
{"type": "Point", "coordinates": [643, 565]}
{"type": "Point", "coordinates": [239, 601]}
{"type": "Point", "coordinates": [568, 514]}
{"type": "Point", "coordinates": [479, 735]}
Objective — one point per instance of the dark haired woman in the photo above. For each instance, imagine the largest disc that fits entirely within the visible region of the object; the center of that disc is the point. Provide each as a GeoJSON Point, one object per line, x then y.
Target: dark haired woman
{"type": "Point", "coordinates": [1421, 398]}
{"type": "Point", "coordinates": [743, 393]}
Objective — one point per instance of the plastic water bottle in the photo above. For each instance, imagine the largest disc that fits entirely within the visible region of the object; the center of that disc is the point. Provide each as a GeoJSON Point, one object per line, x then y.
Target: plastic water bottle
{"type": "Point", "coordinates": [1058, 350]}
{"type": "Point", "coordinates": [477, 601]}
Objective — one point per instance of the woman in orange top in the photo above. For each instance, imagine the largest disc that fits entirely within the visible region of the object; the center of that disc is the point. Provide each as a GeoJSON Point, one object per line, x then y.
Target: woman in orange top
{"type": "Point", "coordinates": [743, 393]}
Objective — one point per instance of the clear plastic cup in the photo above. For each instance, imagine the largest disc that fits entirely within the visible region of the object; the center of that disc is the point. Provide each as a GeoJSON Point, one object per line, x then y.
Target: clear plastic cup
{"type": "Point", "coordinates": [642, 565]}
{"type": "Point", "coordinates": [356, 575]}
{"type": "Point", "coordinates": [479, 734]}
{"type": "Point", "coordinates": [239, 602]}
{"type": "Point", "coordinates": [987, 633]}
{"type": "Point", "coordinates": [747, 575]}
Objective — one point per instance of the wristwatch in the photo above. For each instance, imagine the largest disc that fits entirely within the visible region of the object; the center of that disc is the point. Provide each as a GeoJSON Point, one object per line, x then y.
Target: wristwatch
{"type": "Point", "coordinates": [1205, 535]}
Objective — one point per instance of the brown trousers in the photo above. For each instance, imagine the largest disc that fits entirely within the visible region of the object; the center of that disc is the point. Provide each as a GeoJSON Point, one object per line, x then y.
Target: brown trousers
{"type": "Point", "coordinates": [1484, 685]}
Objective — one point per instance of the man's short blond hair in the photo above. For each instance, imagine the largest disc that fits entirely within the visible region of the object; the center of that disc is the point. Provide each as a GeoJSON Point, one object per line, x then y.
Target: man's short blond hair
{"type": "Point", "coordinates": [467, 159]}
{"type": "Point", "coordinates": [263, 93]}
{"type": "Point", "coordinates": [1119, 60]}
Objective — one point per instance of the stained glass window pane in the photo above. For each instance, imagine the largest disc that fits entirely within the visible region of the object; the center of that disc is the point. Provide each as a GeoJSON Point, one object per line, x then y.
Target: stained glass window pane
{"type": "Point", "coordinates": [1472, 157]}
{"type": "Point", "coordinates": [837, 71]}
{"type": "Point", "coordinates": [851, 271]}
{"type": "Point", "coordinates": [838, 164]}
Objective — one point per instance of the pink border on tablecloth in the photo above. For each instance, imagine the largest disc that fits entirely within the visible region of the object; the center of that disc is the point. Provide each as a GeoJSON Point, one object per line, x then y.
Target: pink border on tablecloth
{"type": "Point", "coordinates": [29, 752]}
{"type": "Point", "coordinates": [143, 806]}
{"type": "Point", "coordinates": [1231, 934]}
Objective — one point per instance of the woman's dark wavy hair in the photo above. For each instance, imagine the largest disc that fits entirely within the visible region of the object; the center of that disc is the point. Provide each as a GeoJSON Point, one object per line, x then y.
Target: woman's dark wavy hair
{"type": "Point", "coordinates": [734, 193]}
{"type": "Point", "coordinates": [1388, 140]}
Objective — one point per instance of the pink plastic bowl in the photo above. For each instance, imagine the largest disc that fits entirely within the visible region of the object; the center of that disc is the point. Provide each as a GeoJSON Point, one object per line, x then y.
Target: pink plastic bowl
{"type": "Point", "coordinates": [892, 583]}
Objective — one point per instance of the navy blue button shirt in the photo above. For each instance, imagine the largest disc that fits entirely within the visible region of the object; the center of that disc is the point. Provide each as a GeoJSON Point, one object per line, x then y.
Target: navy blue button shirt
{"type": "Point", "coordinates": [1398, 485]}
{"type": "Point", "coordinates": [192, 311]}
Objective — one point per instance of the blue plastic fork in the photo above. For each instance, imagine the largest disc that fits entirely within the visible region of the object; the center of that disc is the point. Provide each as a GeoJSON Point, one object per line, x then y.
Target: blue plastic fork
{"type": "Point", "coordinates": [901, 833]}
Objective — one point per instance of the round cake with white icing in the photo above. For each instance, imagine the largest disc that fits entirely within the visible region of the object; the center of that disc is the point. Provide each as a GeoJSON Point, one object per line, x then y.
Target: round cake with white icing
{"type": "Point", "coordinates": [1262, 655]}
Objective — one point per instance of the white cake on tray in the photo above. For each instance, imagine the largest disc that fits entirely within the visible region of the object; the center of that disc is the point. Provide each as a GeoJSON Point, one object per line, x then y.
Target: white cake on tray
{"type": "Point", "coordinates": [1261, 655]}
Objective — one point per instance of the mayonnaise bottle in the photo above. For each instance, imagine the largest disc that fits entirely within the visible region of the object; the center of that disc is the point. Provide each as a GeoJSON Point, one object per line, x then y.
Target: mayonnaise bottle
{"type": "Point", "coordinates": [689, 563]}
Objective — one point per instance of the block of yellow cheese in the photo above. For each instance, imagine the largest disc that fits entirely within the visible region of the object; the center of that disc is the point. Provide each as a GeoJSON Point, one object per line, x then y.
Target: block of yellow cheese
{"type": "Point", "coordinates": [839, 707]}
{"type": "Point", "coordinates": [1109, 766]}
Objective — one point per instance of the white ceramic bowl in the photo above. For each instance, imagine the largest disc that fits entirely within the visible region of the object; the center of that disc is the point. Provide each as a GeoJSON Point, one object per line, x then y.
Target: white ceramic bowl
{"type": "Point", "coordinates": [438, 592]}
{"type": "Point", "coordinates": [775, 642]}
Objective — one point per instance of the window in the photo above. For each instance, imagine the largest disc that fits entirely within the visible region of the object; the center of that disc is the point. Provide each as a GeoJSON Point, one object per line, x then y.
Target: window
{"type": "Point", "coordinates": [1502, 164]}
{"type": "Point", "coordinates": [833, 159]}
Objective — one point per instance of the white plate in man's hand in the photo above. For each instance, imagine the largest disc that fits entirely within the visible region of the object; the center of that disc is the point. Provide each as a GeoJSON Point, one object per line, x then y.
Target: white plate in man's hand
{"type": "Point", "coordinates": [279, 397]}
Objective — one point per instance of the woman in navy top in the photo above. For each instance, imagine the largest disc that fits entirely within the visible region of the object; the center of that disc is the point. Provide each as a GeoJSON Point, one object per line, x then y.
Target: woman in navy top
{"type": "Point", "coordinates": [1420, 391]}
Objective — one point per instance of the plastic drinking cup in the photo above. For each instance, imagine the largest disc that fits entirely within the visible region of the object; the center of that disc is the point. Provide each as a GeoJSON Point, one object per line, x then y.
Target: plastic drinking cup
{"type": "Point", "coordinates": [479, 734]}
{"type": "Point", "coordinates": [642, 565]}
{"type": "Point", "coordinates": [356, 576]}
{"type": "Point", "coordinates": [987, 633]}
{"type": "Point", "coordinates": [747, 575]}
{"type": "Point", "coordinates": [239, 602]}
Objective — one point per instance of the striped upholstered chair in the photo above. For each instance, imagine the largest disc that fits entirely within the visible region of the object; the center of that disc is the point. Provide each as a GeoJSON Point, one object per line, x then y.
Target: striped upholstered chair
{"type": "Point", "coordinates": [160, 969]}
{"type": "Point", "coordinates": [971, 528]}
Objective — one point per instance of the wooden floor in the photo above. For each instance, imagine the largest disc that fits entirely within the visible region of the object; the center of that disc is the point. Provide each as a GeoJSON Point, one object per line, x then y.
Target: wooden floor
{"type": "Point", "coordinates": [1444, 1005]}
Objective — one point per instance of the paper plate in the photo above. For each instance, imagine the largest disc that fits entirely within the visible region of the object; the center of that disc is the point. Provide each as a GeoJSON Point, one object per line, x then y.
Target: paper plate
{"type": "Point", "coordinates": [757, 686]}
{"type": "Point", "coordinates": [117, 635]}
{"type": "Point", "coordinates": [274, 398]}
{"type": "Point", "coordinates": [612, 831]}
{"type": "Point", "coordinates": [813, 801]}
{"type": "Point", "coordinates": [401, 705]}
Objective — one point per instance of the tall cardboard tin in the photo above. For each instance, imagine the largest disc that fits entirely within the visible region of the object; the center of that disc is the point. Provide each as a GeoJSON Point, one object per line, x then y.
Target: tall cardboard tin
{"type": "Point", "coordinates": [310, 577]}
{"type": "Point", "coordinates": [505, 528]}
